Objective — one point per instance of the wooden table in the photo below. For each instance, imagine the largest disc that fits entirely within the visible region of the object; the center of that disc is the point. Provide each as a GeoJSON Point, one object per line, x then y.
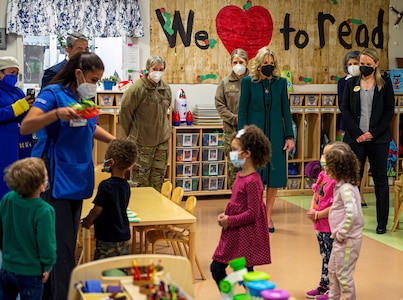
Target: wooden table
{"type": "Point", "coordinates": [153, 209]}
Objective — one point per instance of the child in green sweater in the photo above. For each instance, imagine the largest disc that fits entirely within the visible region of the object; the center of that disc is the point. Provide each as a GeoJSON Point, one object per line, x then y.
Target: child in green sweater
{"type": "Point", "coordinates": [27, 231]}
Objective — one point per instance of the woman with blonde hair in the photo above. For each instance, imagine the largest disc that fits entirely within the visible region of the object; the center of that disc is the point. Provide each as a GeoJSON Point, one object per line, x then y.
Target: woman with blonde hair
{"type": "Point", "coordinates": [264, 102]}
{"type": "Point", "coordinates": [368, 107]}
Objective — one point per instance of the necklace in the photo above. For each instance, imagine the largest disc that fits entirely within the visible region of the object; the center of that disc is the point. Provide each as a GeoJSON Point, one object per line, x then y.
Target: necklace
{"type": "Point", "coordinates": [266, 90]}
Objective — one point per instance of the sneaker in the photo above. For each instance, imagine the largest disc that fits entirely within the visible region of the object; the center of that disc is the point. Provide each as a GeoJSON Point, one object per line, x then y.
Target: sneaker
{"type": "Point", "coordinates": [364, 205]}
{"type": "Point", "coordinates": [323, 297]}
{"type": "Point", "coordinates": [316, 292]}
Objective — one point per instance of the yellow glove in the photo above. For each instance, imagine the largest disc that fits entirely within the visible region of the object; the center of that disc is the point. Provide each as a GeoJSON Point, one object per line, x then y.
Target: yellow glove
{"type": "Point", "coordinates": [20, 106]}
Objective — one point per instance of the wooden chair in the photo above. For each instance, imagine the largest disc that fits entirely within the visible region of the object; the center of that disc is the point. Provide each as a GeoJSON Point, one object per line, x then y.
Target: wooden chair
{"type": "Point", "coordinates": [177, 237]}
{"type": "Point", "coordinates": [177, 195]}
{"type": "Point", "coordinates": [179, 269]}
{"type": "Point", "coordinates": [166, 189]}
{"type": "Point", "coordinates": [398, 202]}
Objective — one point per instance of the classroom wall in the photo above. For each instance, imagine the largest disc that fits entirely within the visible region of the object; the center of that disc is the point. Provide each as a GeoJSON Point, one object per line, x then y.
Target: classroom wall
{"type": "Point", "coordinates": [204, 93]}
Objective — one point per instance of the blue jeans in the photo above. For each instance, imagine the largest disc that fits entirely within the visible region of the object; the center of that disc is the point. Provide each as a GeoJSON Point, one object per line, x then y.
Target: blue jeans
{"type": "Point", "coordinates": [29, 287]}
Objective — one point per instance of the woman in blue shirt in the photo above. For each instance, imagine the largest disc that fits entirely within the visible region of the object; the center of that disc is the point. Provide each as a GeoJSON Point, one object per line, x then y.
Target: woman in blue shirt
{"type": "Point", "coordinates": [65, 142]}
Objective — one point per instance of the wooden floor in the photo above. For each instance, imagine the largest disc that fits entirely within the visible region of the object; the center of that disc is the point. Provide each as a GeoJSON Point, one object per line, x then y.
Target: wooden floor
{"type": "Point", "coordinates": [296, 262]}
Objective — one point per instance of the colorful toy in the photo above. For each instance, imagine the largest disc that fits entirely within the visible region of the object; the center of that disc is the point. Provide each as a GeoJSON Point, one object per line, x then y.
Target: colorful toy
{"type": "Point", "coordinates": [228, 284]}
{"type": "Point", "coordinates": [181, 105]}
{"type": "Point", "coordinates": [176, 119]}
{"type": "Point", "coordinates": [189, 118]}
{"type": "Point", "coordinates": [87, 109]}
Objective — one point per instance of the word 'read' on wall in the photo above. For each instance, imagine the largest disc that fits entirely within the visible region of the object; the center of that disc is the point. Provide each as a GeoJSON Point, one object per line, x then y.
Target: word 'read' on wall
{"type": "Point", "coordinates": [310, 38]}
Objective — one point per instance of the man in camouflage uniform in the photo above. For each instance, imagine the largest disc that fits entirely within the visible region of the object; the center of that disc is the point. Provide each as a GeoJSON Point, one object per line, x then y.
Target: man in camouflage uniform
{"type": "Point", "coordinates": [143, 116]}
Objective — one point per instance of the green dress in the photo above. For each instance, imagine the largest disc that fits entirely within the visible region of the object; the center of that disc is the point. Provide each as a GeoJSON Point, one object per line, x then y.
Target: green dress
{"type": "Point", "coordinates": [265, 104]}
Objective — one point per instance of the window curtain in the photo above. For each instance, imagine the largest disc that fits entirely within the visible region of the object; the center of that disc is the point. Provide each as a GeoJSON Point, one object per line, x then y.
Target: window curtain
{"type": "Point", "coordinates": [94, 18]}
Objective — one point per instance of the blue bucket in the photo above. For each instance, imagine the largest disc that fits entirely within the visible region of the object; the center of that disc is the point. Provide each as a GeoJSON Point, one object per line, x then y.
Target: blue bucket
{"type": "Point", "coordinates": [108, 85]}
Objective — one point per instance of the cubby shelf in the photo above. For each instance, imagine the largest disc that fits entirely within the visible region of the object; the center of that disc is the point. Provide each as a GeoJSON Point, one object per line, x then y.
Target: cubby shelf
{"type": "Point", "coordinates": [316, 115]}
{"type": "Point", "coordinates": [198, 161]}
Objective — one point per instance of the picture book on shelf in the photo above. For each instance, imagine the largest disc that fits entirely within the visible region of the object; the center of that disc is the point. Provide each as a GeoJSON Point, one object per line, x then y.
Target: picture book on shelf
{"type": "Point", "coordinates": [396, 75]}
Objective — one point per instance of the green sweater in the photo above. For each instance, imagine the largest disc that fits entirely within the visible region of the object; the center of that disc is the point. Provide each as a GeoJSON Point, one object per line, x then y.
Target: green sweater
{"type": "Point", "coordinates": [27, 235]}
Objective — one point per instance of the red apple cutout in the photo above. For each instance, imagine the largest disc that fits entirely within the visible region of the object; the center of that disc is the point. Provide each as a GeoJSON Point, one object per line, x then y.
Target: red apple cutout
{"type": "Point", "coordinates": [250, 30]}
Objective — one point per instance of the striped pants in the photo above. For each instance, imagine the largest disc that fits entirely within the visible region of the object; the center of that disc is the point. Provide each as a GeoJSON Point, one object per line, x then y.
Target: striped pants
{"type": "Point", "coordinates": [341, 269]}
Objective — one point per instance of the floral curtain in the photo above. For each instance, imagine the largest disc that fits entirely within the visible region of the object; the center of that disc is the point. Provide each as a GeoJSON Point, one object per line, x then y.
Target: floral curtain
{"type": "Point", "coordinates": [95, 18]}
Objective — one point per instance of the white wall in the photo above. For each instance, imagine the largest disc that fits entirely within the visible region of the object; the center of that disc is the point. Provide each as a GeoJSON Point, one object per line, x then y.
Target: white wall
{"type": "Point", "coordinates": [204, 93]}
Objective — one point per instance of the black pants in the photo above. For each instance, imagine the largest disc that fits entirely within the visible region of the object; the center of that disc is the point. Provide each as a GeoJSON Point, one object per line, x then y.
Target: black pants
{"type": "Point", "coordinates": [218, 271]}
{"type": "Point", "coordinates": [68, 213]}
{"type": "Point", "coordinates": [378, 159]}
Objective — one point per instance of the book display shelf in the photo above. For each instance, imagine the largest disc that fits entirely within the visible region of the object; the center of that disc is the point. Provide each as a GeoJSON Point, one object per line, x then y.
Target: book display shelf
{"type": "Point", "coordinates": [198, 161]}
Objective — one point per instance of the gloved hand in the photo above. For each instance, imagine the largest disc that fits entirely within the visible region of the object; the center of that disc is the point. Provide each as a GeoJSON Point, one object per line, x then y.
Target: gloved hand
{"type": "Point", "coordinates": [20, 106]}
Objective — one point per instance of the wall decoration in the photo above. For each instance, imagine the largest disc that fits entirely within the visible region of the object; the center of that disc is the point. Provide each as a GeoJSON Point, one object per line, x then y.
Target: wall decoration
{"type": "Point", "coordinates": [250, 30]}
{"type": "Point", "coordinates": [399, 15]}
{"type": "Point", "coordinates": [310, 38]}
{"type": "Point", "coordinates": [200, 78]}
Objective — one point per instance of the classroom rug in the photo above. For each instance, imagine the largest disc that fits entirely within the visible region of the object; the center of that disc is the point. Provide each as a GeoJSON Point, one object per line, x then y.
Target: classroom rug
{"type": "Point", "coordinates": [392, 239]}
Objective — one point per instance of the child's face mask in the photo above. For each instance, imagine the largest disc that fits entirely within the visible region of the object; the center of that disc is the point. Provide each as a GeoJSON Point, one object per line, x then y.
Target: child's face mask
{"type": "Point", "coordinates": [106, 166]}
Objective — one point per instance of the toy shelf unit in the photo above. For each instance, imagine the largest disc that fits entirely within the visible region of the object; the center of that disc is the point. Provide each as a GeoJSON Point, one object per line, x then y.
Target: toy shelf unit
{"type": "Point", "coordinates": [109, 101]}
{"type": "Point", "coordinates": [198, 161]}
{"type": "Point", "coordinates": [316, 118]}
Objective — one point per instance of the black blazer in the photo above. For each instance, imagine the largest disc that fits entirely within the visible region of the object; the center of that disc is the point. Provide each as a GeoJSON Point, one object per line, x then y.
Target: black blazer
{"type": "Point", "coordinates": [383, 108]}
{"type": "Point", "coordinates": [51, 72]}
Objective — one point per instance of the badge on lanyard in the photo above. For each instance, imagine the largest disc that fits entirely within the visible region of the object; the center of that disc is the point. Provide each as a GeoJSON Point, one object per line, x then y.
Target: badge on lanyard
{"type": "Point", "coordinates": [78, 122]}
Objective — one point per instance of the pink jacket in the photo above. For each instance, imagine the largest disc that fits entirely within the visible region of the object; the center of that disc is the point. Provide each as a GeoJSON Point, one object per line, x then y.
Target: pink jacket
{"type": "Point", "coordinates": [345, 215]}
{"type": "Point", "coordinates": [323, 198]}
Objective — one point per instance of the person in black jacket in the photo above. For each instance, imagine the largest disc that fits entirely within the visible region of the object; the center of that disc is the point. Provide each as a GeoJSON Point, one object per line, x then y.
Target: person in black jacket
{"type": "Point", "coordinates": [367, 108]}
{"type": "Point", "coordinates": [76, 42]}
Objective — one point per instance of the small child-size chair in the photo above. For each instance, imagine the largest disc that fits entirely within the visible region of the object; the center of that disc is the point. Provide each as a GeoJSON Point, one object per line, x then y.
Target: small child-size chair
{"type": "Point", "coordinates": [177, 195]}
{"type": "Point", "coordinates": [166, 189]}
{"type": "Point", "coordinates": [177, 237]}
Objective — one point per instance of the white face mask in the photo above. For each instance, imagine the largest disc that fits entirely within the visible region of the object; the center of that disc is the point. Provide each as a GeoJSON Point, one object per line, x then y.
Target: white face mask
{"type": "Point", "coordinates": [354, 70]}
{"type": "Point", "coordinates": [239, 69]}
{"type": "Point", "coordinates": [156, 76]}
{"type": "Point", "coordinates": [239, 163]}
{"type": "Point", "coordinates": [87, 90]}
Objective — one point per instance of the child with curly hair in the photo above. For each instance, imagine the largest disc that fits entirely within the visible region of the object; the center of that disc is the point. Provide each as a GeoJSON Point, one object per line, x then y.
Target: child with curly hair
{"type": "Point", "coordinates": [322, 200]}
{"type": "Point", "coordinates": [109, 216]}
{"type": "Point", "coordinates": [245, 231]}
{"type": "Point", "coordinates": [345, 219]}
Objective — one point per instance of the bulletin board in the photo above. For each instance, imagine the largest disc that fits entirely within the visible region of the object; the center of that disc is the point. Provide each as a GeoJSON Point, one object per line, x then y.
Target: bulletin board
{"type": "Point", "coordinates": [310, 37]}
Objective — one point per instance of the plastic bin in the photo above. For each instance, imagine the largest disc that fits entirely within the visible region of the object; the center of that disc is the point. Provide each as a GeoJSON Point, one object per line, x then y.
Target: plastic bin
{"type": "Point", "coordinates": [213, 183]}
{"type": "Point", "coordinates": [213, 154]}
{"type": "Point", "coordinates": [188, 184]}
{"type": "Point", "coordinates": [213, 169]}
{"type": "Point", "coordinates": [187, 169]}
{"type": "Point", "coordinates": [187, 154]}
{"type": "Point", "coordinates": [213, 139]}
{"type": "Point", "coordinates": [187, 139]}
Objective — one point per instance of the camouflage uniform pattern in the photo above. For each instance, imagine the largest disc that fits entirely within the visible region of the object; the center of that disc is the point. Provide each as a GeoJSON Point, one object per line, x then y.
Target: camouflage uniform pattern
{"type": "Point", "coordinates": [110, 249]}
{"type": "Point", "coordinates": [150, 167]}
{"type": "Point", "coordinates": [231, 169]}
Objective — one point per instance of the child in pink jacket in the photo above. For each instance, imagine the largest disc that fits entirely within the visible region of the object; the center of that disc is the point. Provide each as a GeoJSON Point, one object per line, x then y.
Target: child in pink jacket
{"type": "Point", "coordinates": [322, 199]}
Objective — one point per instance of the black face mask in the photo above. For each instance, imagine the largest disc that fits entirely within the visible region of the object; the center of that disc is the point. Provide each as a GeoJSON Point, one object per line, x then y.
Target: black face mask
{"type": "Point", "coordinates": [365, 70]}
{"type": "Point", "coordinates": [267, 70]}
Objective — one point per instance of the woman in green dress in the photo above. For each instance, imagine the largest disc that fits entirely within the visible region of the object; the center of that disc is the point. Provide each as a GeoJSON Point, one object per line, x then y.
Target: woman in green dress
{"type": "Point", "coordinates": [264, 102]}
